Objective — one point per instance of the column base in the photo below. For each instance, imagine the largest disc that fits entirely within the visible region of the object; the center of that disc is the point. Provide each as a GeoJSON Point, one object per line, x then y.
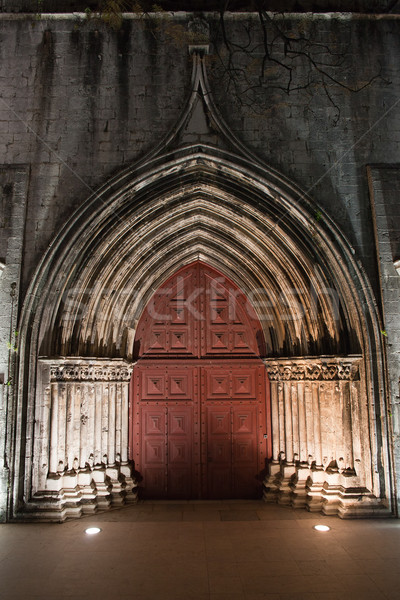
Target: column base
{"type": "Point", "coordinates": [82, 492]}
{"type": "Point", "coordinates": [321, 490]}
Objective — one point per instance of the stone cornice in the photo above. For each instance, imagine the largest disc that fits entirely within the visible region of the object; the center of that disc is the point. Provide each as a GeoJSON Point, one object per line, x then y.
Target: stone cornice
{"type": "Point", "coordinates": [313, 369]}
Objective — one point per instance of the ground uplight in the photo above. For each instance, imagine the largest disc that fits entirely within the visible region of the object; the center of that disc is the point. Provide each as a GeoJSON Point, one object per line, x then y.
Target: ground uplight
{"type": "Point", "coordinates": [92, 530]}
{"type": "Point", "coordinates": [322, 527]}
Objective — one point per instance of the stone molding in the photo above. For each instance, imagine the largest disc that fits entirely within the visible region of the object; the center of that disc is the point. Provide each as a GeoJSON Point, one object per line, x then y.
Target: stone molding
{"type": "Point", "coordinates": [318, 369]}
{"type": "Point", "coordinates": [83, 421]}
{"type": "Point", "coordinates": [89, 370]}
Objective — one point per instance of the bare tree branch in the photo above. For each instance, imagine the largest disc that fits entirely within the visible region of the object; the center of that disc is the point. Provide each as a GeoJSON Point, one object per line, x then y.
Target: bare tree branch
{"type": "Point", "coordinates": [289, 61]}
{"type": "Point", "coordinates": [268, 54]}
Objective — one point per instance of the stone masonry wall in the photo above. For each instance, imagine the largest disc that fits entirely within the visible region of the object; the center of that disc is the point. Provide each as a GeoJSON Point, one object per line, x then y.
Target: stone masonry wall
{"type": "Point", "coordinates": [385, 190]}
{"type": "Point", "coordinates": [323, 149]}
{"type": "Point", "coordinates": [80, 101]}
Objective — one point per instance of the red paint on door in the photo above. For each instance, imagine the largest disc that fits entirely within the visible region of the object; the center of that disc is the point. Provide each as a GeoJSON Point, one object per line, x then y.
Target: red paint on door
{"type": "Point", "coordinates": [199, 391]}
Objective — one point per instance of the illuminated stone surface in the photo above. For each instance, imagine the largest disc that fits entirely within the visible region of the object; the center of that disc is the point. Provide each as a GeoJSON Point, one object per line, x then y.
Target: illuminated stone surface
{"type": "Point", "coordinates": [185, 173]}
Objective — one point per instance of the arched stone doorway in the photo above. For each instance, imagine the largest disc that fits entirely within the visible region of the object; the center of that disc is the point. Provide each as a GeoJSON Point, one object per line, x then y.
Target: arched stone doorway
{"type": "Point", "coordinates": [198, 425]}
{"type": "Point", "coordinates": [321, 333]}
{"type": "Point", "coordinates": [199, 197]}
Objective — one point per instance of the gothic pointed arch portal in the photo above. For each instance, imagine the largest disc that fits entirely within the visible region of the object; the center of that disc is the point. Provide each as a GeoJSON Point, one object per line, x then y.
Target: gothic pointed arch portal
{"type": "Point", "coordinates": [199, 409]}
{"type": "Point", "coordinates": [80, 337]}
{"type": "Point", "coordinates": [199, 196]}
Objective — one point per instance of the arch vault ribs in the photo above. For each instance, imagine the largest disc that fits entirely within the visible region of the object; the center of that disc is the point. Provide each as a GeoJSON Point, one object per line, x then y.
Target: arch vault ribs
{"type": "Point", "coordinates": [106, 293]}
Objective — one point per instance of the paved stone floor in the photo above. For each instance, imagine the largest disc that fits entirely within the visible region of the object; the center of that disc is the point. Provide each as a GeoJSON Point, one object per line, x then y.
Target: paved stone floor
{"type": "Point", "coordinates": [229, 550]}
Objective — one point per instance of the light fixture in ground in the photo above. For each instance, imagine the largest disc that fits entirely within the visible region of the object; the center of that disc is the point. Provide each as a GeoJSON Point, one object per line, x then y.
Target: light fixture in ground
{"type": "Point", "coordinates": [92, 530]}
{"type": "Point", "coordinates": [322, 527]}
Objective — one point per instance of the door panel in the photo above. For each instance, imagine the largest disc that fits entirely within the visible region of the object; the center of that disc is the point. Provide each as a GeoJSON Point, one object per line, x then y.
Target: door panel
{"type": "Point", "coordinates": [219, 452]}
{"type": "Point", "coordinates": [167, 325]}
{"type": "Point", "coordinates": [180, 444]}
{"type": "Point", "coordinates": [153, 449]}
{"type": "Point", "coordinates": [166, 461]}
{"type": "Point", "coordinates": [233, 459]}
{"type": "Point", "coordinates": [230, 325]}
{"type": "Point", "coordinates": [246, 484]}
{"type": "Point", "coordinates": [245, 465]}
{"type": "Point", "coordinates": [153, 385]}
{"type": "Point", "coordinates": [156, 482]}
{"type": "Point", "coordinates": [243, 382]}
{"type": "Point", "coordinates": [219, 483]}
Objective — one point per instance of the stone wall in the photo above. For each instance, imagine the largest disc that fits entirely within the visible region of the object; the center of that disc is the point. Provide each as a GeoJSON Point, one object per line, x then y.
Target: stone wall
{"type": "Point", "coordinates": [57, 6]}
{"type": "Point", "coordinates": [81, 101]}
{"type": "Point", "coordinates": [384, 189]}
{"type": "Point", "coordinates": [13, 193]}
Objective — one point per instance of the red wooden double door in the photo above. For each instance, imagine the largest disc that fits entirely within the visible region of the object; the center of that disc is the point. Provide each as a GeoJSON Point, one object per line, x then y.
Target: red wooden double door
{"type": "Point", "coordinates": [199, 391]}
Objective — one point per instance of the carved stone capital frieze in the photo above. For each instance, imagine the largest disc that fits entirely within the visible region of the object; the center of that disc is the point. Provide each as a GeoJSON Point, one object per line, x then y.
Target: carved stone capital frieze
{"type": "Point", "coordinates": [313, 369]}
{"type": "Point", "coordinates": [90, 370]}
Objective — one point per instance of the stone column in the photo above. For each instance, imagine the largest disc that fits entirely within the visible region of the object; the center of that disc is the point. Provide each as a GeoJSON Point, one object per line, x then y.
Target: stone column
{"type": "Point", "coordinates": [85, 436]}
{"type": "Point", "coordinates": [13, 190]}
{"type": "Point", "coordinates": [317, 433]}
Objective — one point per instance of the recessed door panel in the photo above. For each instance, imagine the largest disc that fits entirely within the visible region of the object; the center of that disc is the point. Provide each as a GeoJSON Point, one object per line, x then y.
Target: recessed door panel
{"type": "Point", "coordinates": [180, 448]}
{"type": "Point", "coordinates": [219, 452]}
{"type": "Point", "coordinates": [244, 421]}
{"type": "Point", "coordinates": [153, 450]}
{"type": "Point", "coordinates": [153, 384]}
{"type": "Point", "coordinates": [156, 483]}
{"type": "Point", "coordinates": [218, 420]}
{"type": "Point", "coordinates": [246, 484]}
{"type": "Point", "coordinates": [218, 384]}
{"type": "Point", "coordinates": [153, 421]}
{"type": "Point", "coordinates": [243, 382]}
{"type": "Point", "coordinates": [232, 449]}
{"type": "Point", "coordinates": [167, 446]}
{"type": "Point", "coordinates": [180, 384]}
{"type": "Point", "coordinates": [179, 483]}
{"type": "Point", "coordinates": [219, 483]}
{"type": "Point", "coordinates": [245, 463]}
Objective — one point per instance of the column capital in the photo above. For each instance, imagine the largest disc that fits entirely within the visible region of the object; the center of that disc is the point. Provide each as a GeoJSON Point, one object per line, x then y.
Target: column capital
{"type": "Point", "coordinates": [321, 368]}
{"type": "Point", "coordinates": [88, 370]}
